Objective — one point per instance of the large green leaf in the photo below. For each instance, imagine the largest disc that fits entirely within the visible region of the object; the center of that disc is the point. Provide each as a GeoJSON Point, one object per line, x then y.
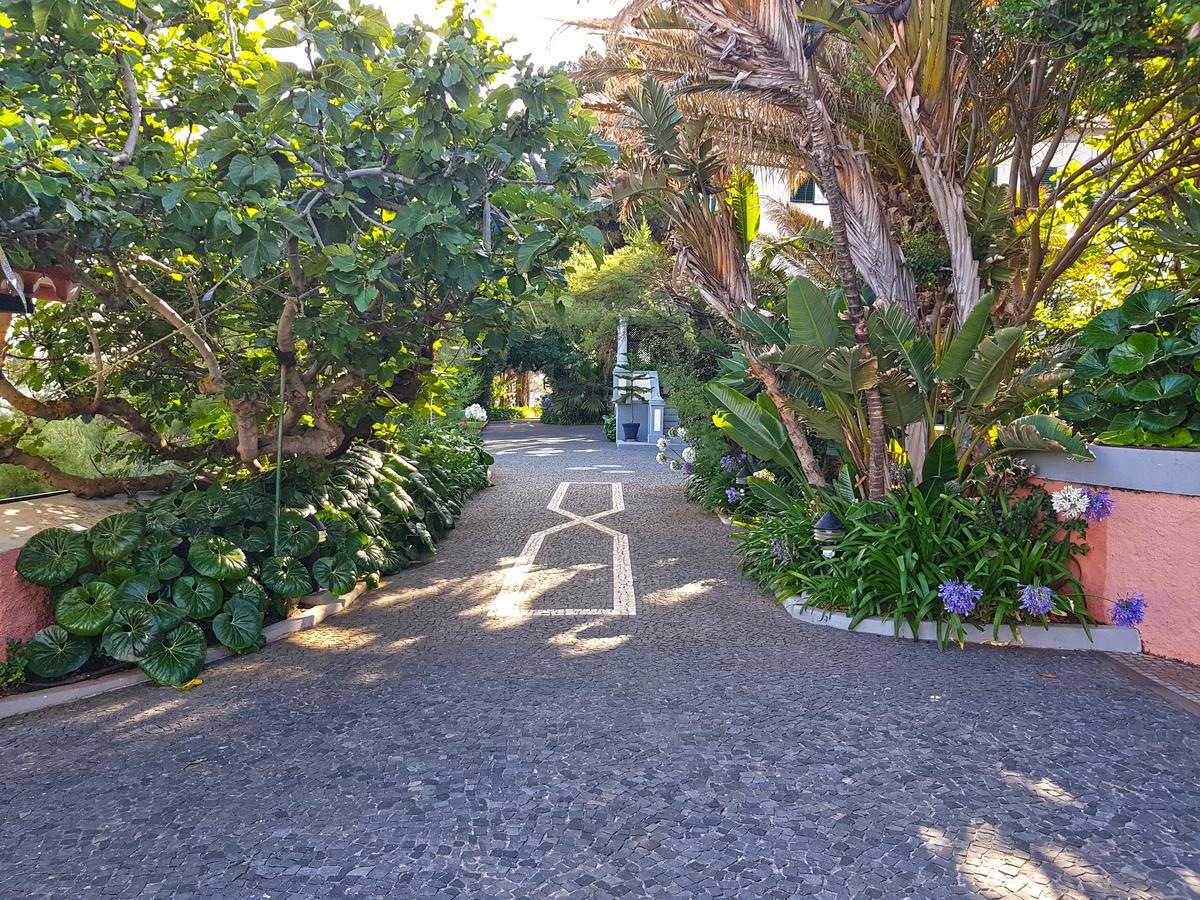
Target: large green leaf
{"type": "Point", "coordinates": [941, 461]}
{"type": "Point", "coordinates": [902, 402]}
{"type": "Point", "coordinates": [250, 590]}
{"type": "Point", "coordinates": [197, 596]}
{"type": "Point", "coordinates": [991, 365]}
{"type": "Point", "coordinates": [1041, 432]}
{"type": "Point", "coordinates": [1104, 331]}
{"type": "Point", "coordinates": [529, 248]}
{"type": "Point", "coordinates": [53, 557]}
{"type": "Point", "coordinates": [178, 658]}
{"type": "Point", "coordinates": [85, 611]}
{"type": "Point", "coordinates": [763, 326]}
{"type": "Point", "coordinates": [849, 370]}
{"type": "Point", "coordinates": [1144, 307]}
{"type": "Point", "coordinates": [1079, 406]}
{"type": "Point", "coordinates": [1133, 354]}
{"type": "Point", "coordinates": [742, 193]}
{"type": "Point", "coordinates": [811, 319]}
{"type": "Point", "coordinates": [894, 334]}
{"type": "Point", "coordinates": [962, 345]}
{"type": "Point", "coordinates": [116, 537]}
{"type": "Point", "coordinates": [336, 574]}
{"type": "Point", "coordinates": [757, 430]}
{"type": "Point", "coordinates": [133, 632]}
{"type": "Point", "coordinates": [1091, 365]}
{"type": "Point", "coordinates": [217, 557]}
{"type": "Point", "coordinates": [53, 652]}
{"type": "Point", "coordinates": [158, 561]}
{"type": "Point", "coordinates": [297, 536]}
{"type": "Point", "coordinates": [239, 626]}
{"type": "Point", "coordinates": [286, 576]}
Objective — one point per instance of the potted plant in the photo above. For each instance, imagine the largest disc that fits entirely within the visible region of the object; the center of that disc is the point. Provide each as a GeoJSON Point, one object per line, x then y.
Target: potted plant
{"type": "Point", "coordinates": [630, 392]}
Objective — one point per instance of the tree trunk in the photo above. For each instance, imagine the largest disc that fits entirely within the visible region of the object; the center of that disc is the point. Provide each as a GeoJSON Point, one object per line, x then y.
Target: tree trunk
{"type": "Point", "coordinates": [821, 135]}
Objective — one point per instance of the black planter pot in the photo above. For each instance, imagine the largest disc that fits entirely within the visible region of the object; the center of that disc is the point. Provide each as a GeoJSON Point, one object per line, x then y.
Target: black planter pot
{"type": "Point", "coordinates": [630, 430]}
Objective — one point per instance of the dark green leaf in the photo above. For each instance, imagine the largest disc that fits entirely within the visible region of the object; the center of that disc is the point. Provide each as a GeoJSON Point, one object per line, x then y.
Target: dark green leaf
{"type": "Point", "coordinates": [178, 658]}
{"type": "Point", "coordinates": [53, 557]}
{"type": "Point", "coordinates": [53, 652]}
{"type": "Point", "coordinates": [116, 537]}
{"type": "Point", "coordinates": [133, 632]}
{"type": "Point", "coordinates": [85, 611]}
{"type": "Point", "coordinates": [199, 597]}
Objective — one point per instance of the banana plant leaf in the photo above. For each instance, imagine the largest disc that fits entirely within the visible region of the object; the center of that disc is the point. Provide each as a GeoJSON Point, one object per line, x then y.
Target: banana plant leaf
{"type": "Point", "coordinates": [85, 611]}
{"type": "Point", "coordinates": [133, 631]}
{"type": "Point", "coordinates": [218, 557]}
{"type": "Point", "coordinates": [54, 652]}
{"type": "Point", "coordinates": [178, 658]}
{"type": "Point", "coordinates": [1042, 432]}
{"type": "Point", "coordinates": [116, 537]}
{"type": "Point", "coordinates": [962, 346]}
{"type": "Point", "coordinates": [53, 557]}
{"type": "Point", "coordinates": [992, 363]}
{"type": "Point", "coordinates": [895, 340]}
{"type": "Point", "coordinates": [811, 318]}
{"type": "Point", "coordinates": [199, 597]}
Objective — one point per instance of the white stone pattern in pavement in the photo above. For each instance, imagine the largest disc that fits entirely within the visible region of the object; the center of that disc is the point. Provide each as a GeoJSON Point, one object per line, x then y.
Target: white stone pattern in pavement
{"type": "Point", "coordinates": [513, 599]}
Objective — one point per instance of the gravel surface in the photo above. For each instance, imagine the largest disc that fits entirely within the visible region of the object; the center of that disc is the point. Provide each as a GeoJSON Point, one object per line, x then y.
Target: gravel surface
{"type": "Point", "coordinates": [423, 744]}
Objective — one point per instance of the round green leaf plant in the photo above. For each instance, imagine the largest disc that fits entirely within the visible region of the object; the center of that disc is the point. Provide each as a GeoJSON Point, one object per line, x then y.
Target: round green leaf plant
{"type": "Point", "coordinates": [53, 557]}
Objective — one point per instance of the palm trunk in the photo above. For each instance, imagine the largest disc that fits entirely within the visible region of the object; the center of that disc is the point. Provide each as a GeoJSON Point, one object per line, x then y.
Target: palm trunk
{"type": "Point", "coordinates": [822, 137]}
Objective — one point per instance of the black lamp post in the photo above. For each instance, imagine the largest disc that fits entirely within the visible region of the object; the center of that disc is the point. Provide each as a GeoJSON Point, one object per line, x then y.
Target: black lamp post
{"type": "Point", "coordinates": [828, 532]}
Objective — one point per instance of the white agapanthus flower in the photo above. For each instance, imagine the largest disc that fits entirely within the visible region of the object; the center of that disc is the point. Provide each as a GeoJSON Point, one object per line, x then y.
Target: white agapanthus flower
{"type": "Point", "coordinates": [662, 443]}
{"type": "Point", "coordinates": [688, 454]}
{"type": "Point", "coordinates": [764, 474]}
{"type": "Point", "coordinates": [681, 431]}
{"type": "Point", "coordinates": [1070, 502]}
{"type": "Point", "coordinates": [661, 459]}
{"type": "Point", "coordinates": [676, 465]}
{"type": "Point", "coordinates": [475, 413]}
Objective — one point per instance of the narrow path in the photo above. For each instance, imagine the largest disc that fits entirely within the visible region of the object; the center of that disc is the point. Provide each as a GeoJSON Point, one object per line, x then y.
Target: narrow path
{"type": "Point", "coordinates": [467, 733]}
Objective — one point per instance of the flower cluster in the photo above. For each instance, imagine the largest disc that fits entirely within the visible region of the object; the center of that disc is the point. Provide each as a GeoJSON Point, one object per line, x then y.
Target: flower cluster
{"type": "Point", "coordinates": [1072, 502]}
{"type": "Point", "coordinates": [731, 462]}
{"type": "Point", "coordinates": [959, 597]}
{"type": "Point", "coordinates": [779, 549]}
{"type": "Point", "coordinates": [475, 413]}
{"type": "Point", "coordinates": [765, 475]}
{"type": "Point", "coordinates": [684, 461]}
{"type": "Point", "coordinates": [1035, 599]}
{"type": "Point", "coordinates": [1130, 611]}
{"type": "Point", "coordinates": [734, 495]}
{"type": "Point", "coordinates": [898, 475]}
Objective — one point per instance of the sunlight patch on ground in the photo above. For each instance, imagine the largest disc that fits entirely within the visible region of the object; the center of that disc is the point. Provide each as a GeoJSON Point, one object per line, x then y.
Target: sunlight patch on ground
{"type": "Point", "coordinates": [1044, 788]}
{"type": "Point", "coordinates": [573, 642]}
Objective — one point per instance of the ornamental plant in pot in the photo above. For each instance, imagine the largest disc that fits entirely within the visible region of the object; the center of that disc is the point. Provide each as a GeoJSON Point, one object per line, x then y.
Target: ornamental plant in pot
{"type": "Point", "coordinates": [629, 393]}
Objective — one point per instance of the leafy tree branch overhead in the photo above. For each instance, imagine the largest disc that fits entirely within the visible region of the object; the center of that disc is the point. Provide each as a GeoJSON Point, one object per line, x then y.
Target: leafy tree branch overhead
{"type": "Point", "coordinates": [312, 199]}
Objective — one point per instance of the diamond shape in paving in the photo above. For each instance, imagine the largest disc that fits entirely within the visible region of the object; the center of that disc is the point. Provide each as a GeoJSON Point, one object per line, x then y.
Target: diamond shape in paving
{"type": "Point", "coordinates": [514, 599]}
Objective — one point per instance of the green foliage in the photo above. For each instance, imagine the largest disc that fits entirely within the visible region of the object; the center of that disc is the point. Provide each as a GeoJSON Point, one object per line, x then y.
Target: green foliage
{"type": "Point", "coordinates": [898, 551]}
{"type": "Point", "coordinates": [406, 183]}
{"type": "Point", "coordinates": [1135, 382]}
{"type": "Point", "coordinates": [204, 565]}
{"type": "Point", "coordinates": [12, 669]}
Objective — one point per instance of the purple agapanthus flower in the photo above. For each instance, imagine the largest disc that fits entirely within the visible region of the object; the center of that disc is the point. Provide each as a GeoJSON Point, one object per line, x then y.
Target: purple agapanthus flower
{"type": "Point", "coordinates": [689, 468]}
{"type": "Point", "coordinates": [1100, 506]}
{"type": "Point", "coordinates": [1036, 600]}
{"type": "Point", "coordinates": [779, 550]}
{"type": "Point", "coordinates": [959, 597]}
{"type": "Point", "coordinates": [732, 461]}
{"type": "Point", "coordinates": [734, 495]}
{"type": "Point", "coordinates": [1130, 611]}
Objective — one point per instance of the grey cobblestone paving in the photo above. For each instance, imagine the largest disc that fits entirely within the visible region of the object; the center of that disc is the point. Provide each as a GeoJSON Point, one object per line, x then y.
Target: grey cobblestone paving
{"type": "Point", "coordinates": [709, 746]}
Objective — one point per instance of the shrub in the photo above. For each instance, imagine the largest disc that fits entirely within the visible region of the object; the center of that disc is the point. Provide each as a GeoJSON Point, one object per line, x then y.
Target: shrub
{"type": "Point", "coordinates": [900, 553]}
{"type": "Point", "coordinates": [1135, 384]}
{"type": "Point", "coordinates": [154, 585]}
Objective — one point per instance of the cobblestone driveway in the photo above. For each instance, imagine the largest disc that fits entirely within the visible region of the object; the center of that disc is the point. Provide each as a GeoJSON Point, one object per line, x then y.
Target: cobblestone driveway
{"type": "Point", "coordinates": [420, 745]}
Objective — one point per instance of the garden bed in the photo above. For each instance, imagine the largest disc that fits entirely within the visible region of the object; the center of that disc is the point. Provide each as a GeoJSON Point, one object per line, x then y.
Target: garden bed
{"type": "Point", "coordinates": [1109, 638]}
{"type": "Point", "coordinates": [106, 678]}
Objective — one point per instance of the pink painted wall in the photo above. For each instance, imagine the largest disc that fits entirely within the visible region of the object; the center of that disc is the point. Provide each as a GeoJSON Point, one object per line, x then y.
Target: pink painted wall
{"type": "Point", "coordinates": [1149, 544]}
{"type": "Point", "coordinates": [24, 608]}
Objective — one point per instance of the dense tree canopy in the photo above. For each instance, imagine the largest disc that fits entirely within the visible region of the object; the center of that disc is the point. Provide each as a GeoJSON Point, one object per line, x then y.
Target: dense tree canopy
{"type": "Point", "coordinates": [248, 196]}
